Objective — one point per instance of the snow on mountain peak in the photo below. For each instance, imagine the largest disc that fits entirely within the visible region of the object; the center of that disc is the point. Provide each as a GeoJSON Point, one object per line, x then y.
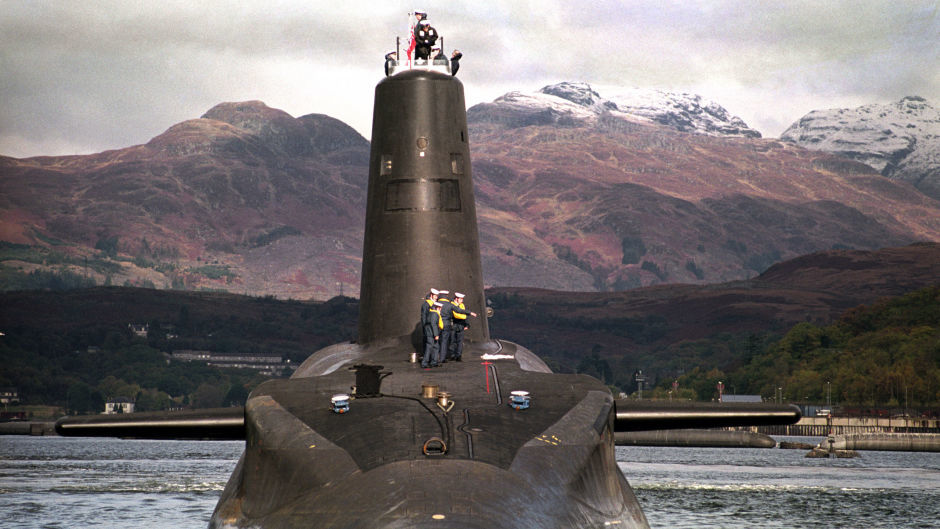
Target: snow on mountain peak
{"type": "Point", "coordinates": [569, 102]}
{"type": "Point", "coordinates": [900, 140]}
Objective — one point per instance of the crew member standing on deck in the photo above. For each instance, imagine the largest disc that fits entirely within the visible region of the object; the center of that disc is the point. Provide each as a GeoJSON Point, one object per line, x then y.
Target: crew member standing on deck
{"type": "Point", "coordinates": [460, 325]}
{"type": "Point", "coordinates": [429, 335]}
{"type": "Point", "coordinates": [437, 327]}
{"type": "Point", "coordinates": [448, 310]}
{"type": "Point", "coordinates": [447, 324]}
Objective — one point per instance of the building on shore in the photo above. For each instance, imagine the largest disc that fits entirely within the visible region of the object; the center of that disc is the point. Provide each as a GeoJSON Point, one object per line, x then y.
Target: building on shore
{"type": "Point", "coordinates": [119, 405]}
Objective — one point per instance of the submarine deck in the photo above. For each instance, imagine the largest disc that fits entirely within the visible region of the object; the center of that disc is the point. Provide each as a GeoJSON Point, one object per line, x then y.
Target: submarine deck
{"type": "Point", "coordinates": [396, 424]}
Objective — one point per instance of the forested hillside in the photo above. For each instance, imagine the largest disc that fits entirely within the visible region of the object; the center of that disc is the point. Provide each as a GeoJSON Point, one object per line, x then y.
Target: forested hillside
{"type": "Point", "coordinates": [885, 354]}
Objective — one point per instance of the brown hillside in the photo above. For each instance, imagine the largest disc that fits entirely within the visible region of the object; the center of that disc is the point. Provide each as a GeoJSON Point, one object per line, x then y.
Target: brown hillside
{"type": "Point", "coordinates": [817, 288]}
{"type": "Point", "coordinates": [248, 199]}
{"type": "Point", "coordinates": [625, 204]}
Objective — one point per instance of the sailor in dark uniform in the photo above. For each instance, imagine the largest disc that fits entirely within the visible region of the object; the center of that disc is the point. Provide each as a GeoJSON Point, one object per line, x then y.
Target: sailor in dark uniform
{"type": "Point", "coordinates": [425, 38]}
{"type": "Point", "coordinates": [455, 61]}
{"type": "Point", "coordinates": [430, 337]}
{"type": "Point", "coordinates": [448, 309]}
{"type": "Point", "coordinates": [391, 60]}
{"type": "Point", "coordinates": [437, 328]}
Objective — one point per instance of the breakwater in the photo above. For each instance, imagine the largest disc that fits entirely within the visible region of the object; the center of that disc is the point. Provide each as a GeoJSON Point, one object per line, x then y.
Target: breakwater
{"type": "Point", "coordinates": [820, 426]}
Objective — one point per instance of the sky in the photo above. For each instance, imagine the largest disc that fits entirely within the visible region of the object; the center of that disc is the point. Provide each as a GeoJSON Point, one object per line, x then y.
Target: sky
{"type": "Point", "coordinates": [83, 76]}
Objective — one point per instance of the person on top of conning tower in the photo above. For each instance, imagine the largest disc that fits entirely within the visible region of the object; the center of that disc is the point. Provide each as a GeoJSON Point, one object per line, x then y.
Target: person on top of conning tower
{"type": "Point", "coordinates": [425, 37]}
{"type": "Point", "coordinates": [391, 59]}
{"type": "Point", "coordinates": [455, 61]}
{"type": "Point", "coordinates": [419, 15]}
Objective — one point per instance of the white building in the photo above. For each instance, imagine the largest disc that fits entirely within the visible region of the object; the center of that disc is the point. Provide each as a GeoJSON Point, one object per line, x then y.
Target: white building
{"type": "Point", "coordinates": [119, 405]}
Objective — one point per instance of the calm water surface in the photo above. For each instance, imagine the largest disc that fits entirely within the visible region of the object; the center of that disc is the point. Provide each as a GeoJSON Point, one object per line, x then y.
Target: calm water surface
{"type": "Point", "coordinates": [759, 487]}
{"type": "Point", "coordinates": [73, 482]}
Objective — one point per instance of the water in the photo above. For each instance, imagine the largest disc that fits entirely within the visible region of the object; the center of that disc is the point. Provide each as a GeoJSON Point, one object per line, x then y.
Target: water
{"type": "Point", "coordinates": [755, 487]}
{"type": "Point", "coordinates": [54, 482]}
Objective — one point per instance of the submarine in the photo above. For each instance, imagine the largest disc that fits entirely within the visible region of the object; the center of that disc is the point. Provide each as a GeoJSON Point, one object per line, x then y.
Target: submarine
{"type": "Point", "coordinates": [361, 436]}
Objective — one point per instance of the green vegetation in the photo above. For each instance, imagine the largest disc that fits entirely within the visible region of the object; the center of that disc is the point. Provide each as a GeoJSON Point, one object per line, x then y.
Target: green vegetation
{"type": "Point", "coordinates": [215, 272]}
{"type": "Point", "coordinates": [653, 268]}
{"type": "Point", "coordinates": [277, 233]}
{"type": "Point", "coordinates": [886, 354]}
{"type": "Point", "coordinates": [633, 250]}
{"type": "Point", "coordinates": [57, 279]}
{"type": "Point", "coordinates": [75, 349]}
{"type": "Point", "coordinates": [42, 280]}
{"type": "Point", "coordinates": [694, 268]}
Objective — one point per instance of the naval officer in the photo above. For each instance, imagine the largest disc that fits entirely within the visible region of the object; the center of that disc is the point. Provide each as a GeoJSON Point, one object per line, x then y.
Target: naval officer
{"type": "Point", "coordinates": [430, 337]}
{"type": "Point", "coordinates": [425, 37]}
{"type": "Point", "coordinates": [448, 309]}
{"type": "Point", "coordinates": [437, 328]}
{"type": "Point", "coordinates": [460, 314]}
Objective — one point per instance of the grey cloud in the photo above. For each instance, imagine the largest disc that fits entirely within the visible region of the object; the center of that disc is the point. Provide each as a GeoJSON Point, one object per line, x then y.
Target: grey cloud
{"type": "Point", "coordinates": [104, 74]}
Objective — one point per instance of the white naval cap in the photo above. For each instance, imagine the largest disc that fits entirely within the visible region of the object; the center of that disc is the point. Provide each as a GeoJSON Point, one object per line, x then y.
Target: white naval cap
{"type": "Point", "coordinates": [435, 291]}
{"type": "Point", "coordinates": [444, 292]}
{"type": "Point", "coordinates": [459, 295]}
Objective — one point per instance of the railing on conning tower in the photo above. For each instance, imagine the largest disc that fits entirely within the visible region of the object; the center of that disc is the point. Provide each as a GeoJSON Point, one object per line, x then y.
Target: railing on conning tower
{"type": "Point", "coordinates": [396, 65]}
{"type": "Point", "coordinates": [401, 60]}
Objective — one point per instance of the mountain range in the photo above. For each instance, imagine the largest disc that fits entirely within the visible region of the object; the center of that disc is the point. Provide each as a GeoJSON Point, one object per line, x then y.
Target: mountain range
{"type": "Point", "coordinates": [575, 192]}
{"type": "Point", "coordinates": [900, 140]}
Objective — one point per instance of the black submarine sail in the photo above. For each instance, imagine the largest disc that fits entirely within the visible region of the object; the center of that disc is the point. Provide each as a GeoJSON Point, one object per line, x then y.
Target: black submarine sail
{"type": "Point", "coordinates": [361, 437]}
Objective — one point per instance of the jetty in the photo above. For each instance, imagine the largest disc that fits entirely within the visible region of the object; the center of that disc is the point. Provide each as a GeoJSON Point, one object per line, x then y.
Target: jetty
{"type": "Point", "coordinates": [821, 426]}
{"type": "Point", "coordinates": [898, 442]}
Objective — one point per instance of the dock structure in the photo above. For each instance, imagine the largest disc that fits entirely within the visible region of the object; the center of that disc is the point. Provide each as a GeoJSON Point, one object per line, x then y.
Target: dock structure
{"type": "Point", "coordinates": [903, 442]}
{"type": "Point", "coordinates": [823, 426]}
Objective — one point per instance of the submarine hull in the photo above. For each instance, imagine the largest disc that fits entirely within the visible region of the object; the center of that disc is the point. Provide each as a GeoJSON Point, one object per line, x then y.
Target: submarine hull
{"type": "Point", "coordinates": [399, 457]}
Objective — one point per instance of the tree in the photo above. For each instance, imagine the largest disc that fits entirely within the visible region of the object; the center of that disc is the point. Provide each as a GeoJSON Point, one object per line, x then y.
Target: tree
{"type": "Point", "coordinates": [236, 396]}
{"type": "Point", "coordinates": [82, 398]}
{"type": "Point", "coordinates": [208, 396]}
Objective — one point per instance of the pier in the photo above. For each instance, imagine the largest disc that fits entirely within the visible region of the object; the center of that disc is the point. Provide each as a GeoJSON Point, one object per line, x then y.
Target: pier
{"type": "Point", "coordinates": [820, 426]}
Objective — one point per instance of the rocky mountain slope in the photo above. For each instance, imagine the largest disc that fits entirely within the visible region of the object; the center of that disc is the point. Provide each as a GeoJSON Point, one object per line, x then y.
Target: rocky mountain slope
{"type": "Point", "coordinates": [612, 201]}
{"type": "Point", "coordinates": [245, 198]}
{"type": "Point", "coordinates": [900, 140]}
{"type": "Point", "coordinates": [574, 192]}
{"type": "Point", "coordinates": [573, 104]}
